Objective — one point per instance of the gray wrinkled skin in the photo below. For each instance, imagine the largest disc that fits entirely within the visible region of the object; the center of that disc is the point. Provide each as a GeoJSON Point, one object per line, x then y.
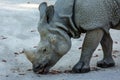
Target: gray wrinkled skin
{"type": "Point", "coordinates": [68, 19]}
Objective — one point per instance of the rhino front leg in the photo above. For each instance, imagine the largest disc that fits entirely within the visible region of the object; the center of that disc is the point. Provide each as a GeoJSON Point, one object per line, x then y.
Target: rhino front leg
{"type": "Point", "coordinates": [107, 44]}
{"type": "Point", "coordinates": [91, 42]}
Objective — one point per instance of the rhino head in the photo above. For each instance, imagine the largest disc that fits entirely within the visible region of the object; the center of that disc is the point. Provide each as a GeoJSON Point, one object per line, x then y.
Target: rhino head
{"type": "Point", "coordinates": [53, 44]}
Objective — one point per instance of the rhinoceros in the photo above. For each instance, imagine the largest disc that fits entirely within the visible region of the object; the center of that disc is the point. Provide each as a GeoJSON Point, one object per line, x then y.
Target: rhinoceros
{"type": "Point", "coordinates": [67, 19]}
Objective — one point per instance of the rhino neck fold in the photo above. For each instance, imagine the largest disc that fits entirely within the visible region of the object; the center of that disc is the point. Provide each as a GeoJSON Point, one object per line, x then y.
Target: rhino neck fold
{"type": "Point", "coordinates": [64, 17]}
{"type": "Point", "coordinates": [61, 32]}
{"type": "Point", "coordinates": [59, 29]}
{"type": "Point", "coordinates": [66, 24]}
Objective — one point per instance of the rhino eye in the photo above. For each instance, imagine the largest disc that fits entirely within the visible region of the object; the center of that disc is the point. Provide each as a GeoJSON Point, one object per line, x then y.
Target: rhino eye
{"type": "Point", "coordinates": [44, 50]}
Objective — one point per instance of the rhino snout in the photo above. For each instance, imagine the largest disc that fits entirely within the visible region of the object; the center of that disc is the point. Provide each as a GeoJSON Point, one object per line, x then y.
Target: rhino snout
{"type": "Point", "coordinates": [41, 68]}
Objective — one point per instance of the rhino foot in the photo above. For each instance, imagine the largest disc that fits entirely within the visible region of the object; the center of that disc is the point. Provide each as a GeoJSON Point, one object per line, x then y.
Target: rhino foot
{"type": "Point", "coordinates": [106, 63]}
{"type": "Point", "coordinates": [81, 68]}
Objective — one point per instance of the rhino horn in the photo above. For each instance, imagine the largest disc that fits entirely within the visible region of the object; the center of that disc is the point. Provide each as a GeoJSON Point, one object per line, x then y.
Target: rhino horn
{"type": "Point", "coordinates": [29, 54]}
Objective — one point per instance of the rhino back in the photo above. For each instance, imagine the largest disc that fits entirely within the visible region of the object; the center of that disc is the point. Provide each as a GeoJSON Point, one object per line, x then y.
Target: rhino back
{"type": "Point", "coordinates": [91, 14]}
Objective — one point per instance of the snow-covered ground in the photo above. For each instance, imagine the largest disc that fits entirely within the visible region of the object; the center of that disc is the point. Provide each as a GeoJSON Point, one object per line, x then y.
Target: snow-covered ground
{"type": "Point", "coordinates": [18, 30]}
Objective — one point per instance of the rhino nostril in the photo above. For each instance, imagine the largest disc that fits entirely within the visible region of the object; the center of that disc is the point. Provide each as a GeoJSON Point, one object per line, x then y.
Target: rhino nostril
{"type": "Point", "coordinates": [35, 67]}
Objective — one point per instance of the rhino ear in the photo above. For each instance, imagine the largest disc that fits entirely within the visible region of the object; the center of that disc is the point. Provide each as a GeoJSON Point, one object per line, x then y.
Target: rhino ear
{"type": "Point", "coordinates": [43, 9]}
{"type": "Point", "coordinates": [50, 13]}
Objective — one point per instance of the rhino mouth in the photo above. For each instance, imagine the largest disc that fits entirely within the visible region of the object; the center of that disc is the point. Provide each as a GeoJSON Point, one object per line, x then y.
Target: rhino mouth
{"type": "Point", "coordinates": [41, 69]}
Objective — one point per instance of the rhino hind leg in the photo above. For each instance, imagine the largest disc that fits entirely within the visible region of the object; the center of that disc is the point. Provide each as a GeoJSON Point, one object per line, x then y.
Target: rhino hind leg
{"type": "Point", "coordinates": [107, 44]}
{"type": "Point", "coordinates": [91, 41]}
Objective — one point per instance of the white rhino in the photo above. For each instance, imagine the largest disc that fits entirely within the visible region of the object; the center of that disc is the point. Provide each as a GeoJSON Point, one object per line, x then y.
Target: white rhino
{"type": "Point", "coordinates": [68, 19]}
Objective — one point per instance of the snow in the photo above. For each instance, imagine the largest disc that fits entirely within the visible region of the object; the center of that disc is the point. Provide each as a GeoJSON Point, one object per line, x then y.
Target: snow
{"type": "Point", "coordinates": [18, 30]}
